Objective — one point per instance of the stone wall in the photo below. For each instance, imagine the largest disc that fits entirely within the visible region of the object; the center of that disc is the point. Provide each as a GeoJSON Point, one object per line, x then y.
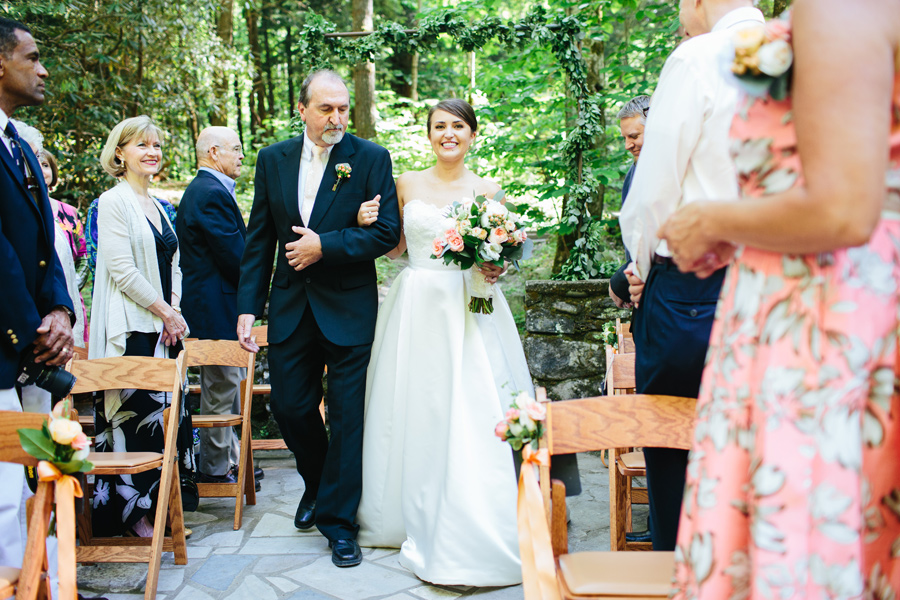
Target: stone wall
{"type": "Point", "coordinates": [564, 335]}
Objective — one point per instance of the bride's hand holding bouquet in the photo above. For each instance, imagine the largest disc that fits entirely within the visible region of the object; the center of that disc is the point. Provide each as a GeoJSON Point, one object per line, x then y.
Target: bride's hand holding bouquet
{"type": "Point", "coordinates": [482, 233]}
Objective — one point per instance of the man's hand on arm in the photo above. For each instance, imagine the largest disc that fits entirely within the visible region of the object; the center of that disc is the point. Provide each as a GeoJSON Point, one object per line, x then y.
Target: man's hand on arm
{"type": "Point", "coordinates": [244, 333]}
{"type": "Point", "coordinates": [635, 285]}
{"type": "Point", "coordinates": [55, 340]}
{"type": "Point", "coordinates": [305, 251]}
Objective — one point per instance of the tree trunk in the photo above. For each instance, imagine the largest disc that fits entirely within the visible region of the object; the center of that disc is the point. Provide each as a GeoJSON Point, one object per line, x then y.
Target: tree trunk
{"type": "Point", "coordinates": [240, 110]}
{"type": "Point", "coordinates": [266, 22]}
{"type": "Point", "coordinates": [288, 59]}
{"type": "Point", "coordinates": [471, 73]}
{"type": "Point", "coordinates": [779, 6]}
{"type": "Point", "coordinates": [225, 31]}
{"type": "Point", "coordinates": [364, 115]}
{"type": "Point", "coordinates": [257, 99]}
{"type": "Point", "coordinates": [595, 63]}
{"type": "Point", "coordinates": [402, 62]}
{"type": "Point", "coordinates": [414, 77]}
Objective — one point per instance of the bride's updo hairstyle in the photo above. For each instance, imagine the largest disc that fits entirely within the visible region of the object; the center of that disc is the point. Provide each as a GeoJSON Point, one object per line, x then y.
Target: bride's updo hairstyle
{"type": "Point", "coordinates": [456, 107]}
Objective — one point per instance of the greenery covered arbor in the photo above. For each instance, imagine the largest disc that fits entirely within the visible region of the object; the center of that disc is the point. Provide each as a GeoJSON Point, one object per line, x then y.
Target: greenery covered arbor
{"type": "Point", "coordinates": [546, 79]}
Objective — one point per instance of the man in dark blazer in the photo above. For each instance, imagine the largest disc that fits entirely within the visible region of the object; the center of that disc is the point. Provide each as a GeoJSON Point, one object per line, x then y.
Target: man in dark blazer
{"type": "Point", "coordinates": [632, 118]}
{"type": "Point", "coordinates": [211, 233]}
{"type": "Point", "coordinates": [36, 313]}
{"type": "Point", "coordinates": [324, 297]}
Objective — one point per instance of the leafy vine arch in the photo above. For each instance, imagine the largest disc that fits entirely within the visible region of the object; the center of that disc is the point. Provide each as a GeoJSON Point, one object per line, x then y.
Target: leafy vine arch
{"type": "Point", "coordinates": [562, 34]}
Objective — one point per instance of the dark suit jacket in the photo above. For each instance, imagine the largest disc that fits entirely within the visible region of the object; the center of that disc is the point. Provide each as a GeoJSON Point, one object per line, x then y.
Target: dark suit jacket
{"type": "Point", "coordinates": [32, 277]}
{"type": "Point", "coordinates": [211, 234]}
{"type": "Point", "coordinates": [618, 282]}
{"type": "Point", "coordinates": [341, 288]}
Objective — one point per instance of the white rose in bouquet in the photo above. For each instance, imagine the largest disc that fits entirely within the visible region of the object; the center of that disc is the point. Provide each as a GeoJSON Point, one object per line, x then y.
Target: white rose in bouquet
{"type": "Point", "coordinates": [491, 252]}
{"type": "Point", "coordinates": [775, 58]}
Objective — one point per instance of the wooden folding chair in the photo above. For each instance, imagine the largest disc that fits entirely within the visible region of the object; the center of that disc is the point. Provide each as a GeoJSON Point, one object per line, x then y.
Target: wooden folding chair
{"type": "Point", "coordinates": [549, 571]}
{"type": "Point", "coordinates": [159, 375]}
{"type": "Point", "coordinates": [625, 339]}
{"type": "Point", "coordinates": [628, 463]}
{"type": "Point", "coordinates": [222, 353]}
{"type": "Point", "coordinates": [31, 581]}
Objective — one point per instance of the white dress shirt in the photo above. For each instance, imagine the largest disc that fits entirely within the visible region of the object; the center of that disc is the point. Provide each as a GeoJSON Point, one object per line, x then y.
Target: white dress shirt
{"type": "Point", "coordinates": [306, 156]}
{"type": "Point", "coordinates": [685, 156]}
{"type": "Point", "coordinates": [6, 141]}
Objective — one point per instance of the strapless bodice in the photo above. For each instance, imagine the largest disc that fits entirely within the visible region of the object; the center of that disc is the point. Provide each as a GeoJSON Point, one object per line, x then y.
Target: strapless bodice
{"type": "Point", "coordinates": [422, 222]}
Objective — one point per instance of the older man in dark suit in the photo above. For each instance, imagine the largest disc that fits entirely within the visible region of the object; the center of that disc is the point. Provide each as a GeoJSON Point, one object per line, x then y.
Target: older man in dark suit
{"type": "Point", "coordinates": [212, 231]}
{"type": "Point", "coordinates": [324, 297]}
{"type": "Point", "coordinates": [36, 313]}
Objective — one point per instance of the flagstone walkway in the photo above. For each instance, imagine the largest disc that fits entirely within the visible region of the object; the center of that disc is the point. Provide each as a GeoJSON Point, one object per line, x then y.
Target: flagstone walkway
{"type": "Point", "coordinates": [268, 559]}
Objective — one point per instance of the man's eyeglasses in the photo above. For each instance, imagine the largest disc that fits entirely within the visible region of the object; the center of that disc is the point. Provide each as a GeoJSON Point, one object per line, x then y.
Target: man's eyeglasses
{"type": "Point", "coordinates": [646, 111]}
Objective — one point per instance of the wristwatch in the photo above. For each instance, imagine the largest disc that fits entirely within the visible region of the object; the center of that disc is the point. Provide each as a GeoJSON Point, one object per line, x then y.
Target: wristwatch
{"type": "Point", "coordinates": [67, 310]}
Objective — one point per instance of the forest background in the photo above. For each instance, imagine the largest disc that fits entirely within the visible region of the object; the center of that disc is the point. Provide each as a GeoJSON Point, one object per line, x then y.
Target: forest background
{"type": "Point", "coordinates": [193, 63]}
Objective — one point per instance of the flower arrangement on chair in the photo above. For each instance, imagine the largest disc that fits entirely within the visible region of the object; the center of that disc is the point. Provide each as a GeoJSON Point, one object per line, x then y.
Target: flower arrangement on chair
{"type": "Point", "coordinates": [60, 443]}
{"type": "Point", "coordinates": [61, 448]}
{"type": "Point", "coordinates": [523, 423]}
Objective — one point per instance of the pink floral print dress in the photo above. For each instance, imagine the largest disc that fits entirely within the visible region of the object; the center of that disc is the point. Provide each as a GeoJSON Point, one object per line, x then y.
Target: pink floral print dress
{"type": "Point", "coordinates": [793, 482]}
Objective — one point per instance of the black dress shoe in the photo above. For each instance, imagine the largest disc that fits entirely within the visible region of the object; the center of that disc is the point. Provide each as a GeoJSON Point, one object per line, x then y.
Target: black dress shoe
{"type": "Point", "coordinates": [638, 536]}
{"type": "Point", "coordinates": [345, 553]}
{"type": "Point", "coordinates": [258, 473]}
{"type": "Point", "coordinates": [229, 477]}
{"type": "Point", "coordinates": [306, 515]}
{"type": "Point", "coordinates": [257, 485]}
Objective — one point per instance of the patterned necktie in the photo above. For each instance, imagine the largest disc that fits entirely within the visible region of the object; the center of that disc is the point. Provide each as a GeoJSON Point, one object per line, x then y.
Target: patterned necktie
{"type": "Point", "coordinates": [313, 181]}
{"type": "Point", "coordinates": [16, 145]}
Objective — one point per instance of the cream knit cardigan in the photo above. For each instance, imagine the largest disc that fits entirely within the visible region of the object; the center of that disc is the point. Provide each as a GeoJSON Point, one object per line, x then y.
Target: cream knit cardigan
{"type": "Point", "coordinates": [127, 279]}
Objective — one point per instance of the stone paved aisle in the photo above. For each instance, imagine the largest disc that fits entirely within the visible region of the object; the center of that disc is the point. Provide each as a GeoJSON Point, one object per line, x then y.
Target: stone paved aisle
{"type": "Point", "coordinates": [268, 559]}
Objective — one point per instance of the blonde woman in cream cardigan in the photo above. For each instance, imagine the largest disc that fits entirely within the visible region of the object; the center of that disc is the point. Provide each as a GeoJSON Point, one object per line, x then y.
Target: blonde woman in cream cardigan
{"type": "Point", "coordinates": [135, 312]}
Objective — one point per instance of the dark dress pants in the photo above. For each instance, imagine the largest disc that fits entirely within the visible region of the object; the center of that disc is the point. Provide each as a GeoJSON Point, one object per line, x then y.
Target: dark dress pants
{"type": "Point", "coordinates": [671, 335]}
{"type": "Point", "coordinates": [331, 470]}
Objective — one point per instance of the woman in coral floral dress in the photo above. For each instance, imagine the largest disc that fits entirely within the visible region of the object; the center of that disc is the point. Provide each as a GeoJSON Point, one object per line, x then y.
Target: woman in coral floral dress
{"type": "Point", "coordinates": [793, 486]}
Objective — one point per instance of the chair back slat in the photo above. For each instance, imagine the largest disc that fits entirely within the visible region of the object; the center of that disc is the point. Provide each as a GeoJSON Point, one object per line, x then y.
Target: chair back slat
{"type": "Point", "coordinates": [10, 447]}
{"type": "Point", "coordinates": [261, 333]}
{"type": "Point", "coordinates": [220, 353]}
{"type": "Point", "coordinates": [620, 373]}
{"type": "Point", "coordinates": [123, 372]}
{"type": "Point", "coordinates": [618, 422]}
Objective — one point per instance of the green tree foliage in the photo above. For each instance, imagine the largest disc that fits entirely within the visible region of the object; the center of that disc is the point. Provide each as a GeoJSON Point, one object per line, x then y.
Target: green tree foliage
{"type": "Point", "coordinates": [111, 60]}
{"type": "Point", "coordinates": [546, 78]}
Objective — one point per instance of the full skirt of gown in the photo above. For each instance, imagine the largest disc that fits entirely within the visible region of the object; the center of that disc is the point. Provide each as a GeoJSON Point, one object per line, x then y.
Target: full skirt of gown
{"type": "Point", "coordinates": [436, 481]}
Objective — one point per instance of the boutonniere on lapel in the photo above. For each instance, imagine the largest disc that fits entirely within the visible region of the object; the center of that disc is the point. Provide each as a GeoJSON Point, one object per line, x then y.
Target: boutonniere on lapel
{"type": "Point", "coordinates": [343, 172]}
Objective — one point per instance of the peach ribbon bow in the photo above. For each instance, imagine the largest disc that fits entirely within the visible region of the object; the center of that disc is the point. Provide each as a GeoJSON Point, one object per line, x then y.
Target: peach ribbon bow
{"type": "Point", "coordinates": [538, 564]}
{"type": "Point", "coordinates": [67, 489]}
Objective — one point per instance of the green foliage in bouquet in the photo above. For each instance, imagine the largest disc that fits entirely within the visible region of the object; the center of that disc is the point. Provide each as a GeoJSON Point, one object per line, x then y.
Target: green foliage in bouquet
{"type": "Point", "coordinates": [59, 441]}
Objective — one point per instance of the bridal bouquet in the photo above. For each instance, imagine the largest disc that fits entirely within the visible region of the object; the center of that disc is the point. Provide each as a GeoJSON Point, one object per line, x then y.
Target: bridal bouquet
{"type": "Point", "coordinates": [59, 442]}
{"type": "Point", "coordinates": [481, 231]}
{"type": "Point", "coordinates": [523, 423]}
{"type": "Point", "coordinates": [763, 58]}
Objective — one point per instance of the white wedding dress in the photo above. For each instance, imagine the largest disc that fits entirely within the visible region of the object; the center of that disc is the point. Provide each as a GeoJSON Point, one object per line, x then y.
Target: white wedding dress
{"type": "Point", "coordinates": [436, 481]}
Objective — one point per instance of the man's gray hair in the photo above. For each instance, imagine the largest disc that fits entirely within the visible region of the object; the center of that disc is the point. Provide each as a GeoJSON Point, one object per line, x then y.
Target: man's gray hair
{"type": "Point", "coordinates": [304, 87]}
{"type": "Point", "coordinates": [635, 108]}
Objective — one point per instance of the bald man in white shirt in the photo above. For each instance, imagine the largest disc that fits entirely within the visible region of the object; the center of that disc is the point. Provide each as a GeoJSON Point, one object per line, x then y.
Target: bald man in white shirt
{"type": "Point", "coordinates": [685, 158]}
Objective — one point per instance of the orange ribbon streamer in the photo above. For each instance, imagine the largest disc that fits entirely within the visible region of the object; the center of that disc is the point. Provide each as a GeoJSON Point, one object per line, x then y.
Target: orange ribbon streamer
{"type": "Point", "coordinates": [538, 563]}
{"type": "Point", "coordinates": [67, 489]}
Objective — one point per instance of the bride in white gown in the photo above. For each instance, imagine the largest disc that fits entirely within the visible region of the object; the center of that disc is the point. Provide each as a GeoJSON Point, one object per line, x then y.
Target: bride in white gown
{"type": "Point", "coordinates": [436, 481]}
